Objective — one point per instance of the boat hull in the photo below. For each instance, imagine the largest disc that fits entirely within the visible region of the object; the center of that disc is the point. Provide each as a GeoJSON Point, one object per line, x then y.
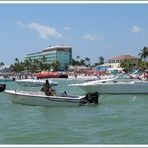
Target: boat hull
{"type": "Point", "coordinates": [40, 99]}
{"type": "Point", "coordinates": [117, 88]}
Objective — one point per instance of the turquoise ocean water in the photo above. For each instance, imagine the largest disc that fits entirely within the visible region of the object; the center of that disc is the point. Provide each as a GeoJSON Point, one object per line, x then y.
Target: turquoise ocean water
{"type": "Point", "coordinates": [119, 119]}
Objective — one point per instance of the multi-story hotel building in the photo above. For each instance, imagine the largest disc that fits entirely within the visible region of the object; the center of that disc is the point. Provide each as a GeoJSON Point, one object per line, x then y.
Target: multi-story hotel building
{"type": "Point", "coordinates": [60, 53]}
{"type": "Point", "coordinates": [122, 58]}
{"type": "Point", "coordinates": [116, 61]}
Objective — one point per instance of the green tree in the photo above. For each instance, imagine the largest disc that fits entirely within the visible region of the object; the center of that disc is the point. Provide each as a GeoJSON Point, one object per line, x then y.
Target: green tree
{"type": "Point", "coordinates": [142, 64]}
{"type": "Point", "coordinates": [144, 53]}
{"type": "Point", "coordinates": [27, 64]}
{"type": "Point", "coordinates": [44, 59]}
{"type": "Point", "coordinates": [78, 58]}
{"type": "Point", "coordinates": [87, 61]}
{"type": "Point", "coordinates": [127, 65]}
{"type": "Point", "coordinates": [78, 61]}
{"type": "Point", "coordinates": [16, 60]}
{"type": "Point", "coordinates": [41, 65]}
{"type": "Point", "coordinates": [101, 60]}
{"type": "Point", "coordinates": [17, 66]}
{"type": "Point", "coordinates": [82, 62]}
{"type": "Point", "coordinates": [73, 62]}
{"type": "Point", "coordinates": [55, 65]}
{"type": "Point", "coordinates": [1, 64]}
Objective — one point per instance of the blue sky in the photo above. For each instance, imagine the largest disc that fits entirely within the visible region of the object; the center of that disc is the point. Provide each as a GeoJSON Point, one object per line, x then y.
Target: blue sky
{"type": "Point", "coordinates": [92, 30]}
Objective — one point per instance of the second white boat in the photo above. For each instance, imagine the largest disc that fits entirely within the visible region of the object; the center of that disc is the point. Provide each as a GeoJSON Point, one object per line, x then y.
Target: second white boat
{"type": "Point", "coordinates": [113, 86]}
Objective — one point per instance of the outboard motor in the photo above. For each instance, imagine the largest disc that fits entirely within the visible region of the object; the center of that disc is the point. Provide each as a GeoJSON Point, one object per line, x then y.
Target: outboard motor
{"type": "Point", "coordinates": [2, 87]}
{"type": "Point", "coordinates": [91, 98]}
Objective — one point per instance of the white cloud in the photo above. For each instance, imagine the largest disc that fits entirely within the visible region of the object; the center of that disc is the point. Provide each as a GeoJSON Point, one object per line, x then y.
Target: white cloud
{"type": "Point", "coordinates": [67, 28]}
{"type": "Point", "coordinates": [45, 32]}
{"type": "Point", "coordinates": [136, 29]}
{"type": "Point", "coordinates": [93, 37]}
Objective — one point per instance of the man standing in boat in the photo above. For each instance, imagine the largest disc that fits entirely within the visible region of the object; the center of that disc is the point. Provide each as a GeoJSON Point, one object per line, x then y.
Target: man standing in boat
{"type": "Point", "coordinates": [49, 91]}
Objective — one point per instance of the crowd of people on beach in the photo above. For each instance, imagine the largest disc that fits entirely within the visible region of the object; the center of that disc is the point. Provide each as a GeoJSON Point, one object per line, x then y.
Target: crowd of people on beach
{"type": "Point", "coordinates": [92, 73]}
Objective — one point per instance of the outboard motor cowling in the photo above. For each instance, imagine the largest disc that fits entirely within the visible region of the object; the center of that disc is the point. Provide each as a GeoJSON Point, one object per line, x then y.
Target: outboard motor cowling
{"type": "Point", "coordinates": [91, 98]}
{"type": "Point", "coordinates": [2, 87]}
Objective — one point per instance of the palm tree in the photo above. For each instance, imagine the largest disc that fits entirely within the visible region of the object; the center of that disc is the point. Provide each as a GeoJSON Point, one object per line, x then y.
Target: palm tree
{"type": "Point", "coordinates": [87, 60]}
{"type": "Point", "coordinates": [12, 67]}
{"type": "Point", "coordinates": [82, 62]}
{"type": "Point", "coordinates": [1, 64]}
{"type": "Point", "coordinates": [73, 62]}
{"type": "Point", "coordinates": [21, 66]}
{"type": "Point", "coordinates": [41, 65]}
{"type": "Point", "coordinates": [48, 66]}
{"type": "Point", "coordinates": [17, 60]}
{"type": "Point", "coordinates": [31, 64]}
{"type": "Point", "coordinates": [30, 60]}
{"type": "Point", "coordinates": [55, 65]}
{"type": "Point", "coordinates": [101, 60]}
{"type": "Point", "coordinates": [44, 59]}
{"type": "Point", "coordinates": [78, 58]}
{"type": "Point", "coordinates": [144, 53]}
{"type": "Point", "coordinates": [142, 64]}
{"type": "Point", "coordinates": [26, 64]}
{"type": "Point", "coordinates": [17, 65]}
{"type": "Point", "coordinates": [127, 65]}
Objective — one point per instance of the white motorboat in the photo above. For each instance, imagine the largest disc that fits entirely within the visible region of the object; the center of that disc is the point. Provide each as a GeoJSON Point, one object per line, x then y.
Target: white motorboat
{"type": "Point", "coordinates": [40, 99]}
{"type": "Point", "coordinates": [35, 82]}
{"type": "Point", "coordinates": [112, 86]}
{"type": "Point", "coordinates": [3, 80]}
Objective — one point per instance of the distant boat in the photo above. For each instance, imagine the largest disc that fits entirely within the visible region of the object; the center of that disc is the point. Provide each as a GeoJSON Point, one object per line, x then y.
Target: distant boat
{"type": "Point", "coordinates": [43, 75]}
{"type": "Point", "coordinates": [6, 80]}
{"type": "Point", "coordinates": [112, 86]}
{"type": "Point", "coordinates": [35, 82]}
{"type": "Point", "coordinates": [83, 77]}
{"type": "Point", "coordinates": [40, 99]}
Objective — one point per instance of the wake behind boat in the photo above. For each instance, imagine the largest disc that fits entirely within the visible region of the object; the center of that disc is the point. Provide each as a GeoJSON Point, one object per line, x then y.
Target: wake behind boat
{"type": "Point", "coordinates": [40, 99]}
{"type": "Point", "coordinates": [112, 86]}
